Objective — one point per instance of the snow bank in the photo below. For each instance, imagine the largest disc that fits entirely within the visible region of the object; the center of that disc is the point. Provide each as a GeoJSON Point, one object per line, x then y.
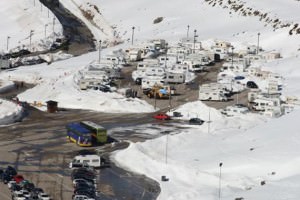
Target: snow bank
{"type": "Point", "coordinates": [9, 112]}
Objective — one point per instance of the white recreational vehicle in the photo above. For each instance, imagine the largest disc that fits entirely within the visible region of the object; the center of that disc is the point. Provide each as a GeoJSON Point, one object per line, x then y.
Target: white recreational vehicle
{"type": "Point", "coordinates": [234, 110]}
{"type": "Point", "coordinates": [155, 71]}
{"type": "Point", "coordinates": [213, 92]}
{"type": "Point", "coordinates": [263, 103]}
{"type": "Point", "coordinates": [175, 77]}
{"type": "Point", "coordinates": [150, 82]}
{"type": "Point", "coordinates": [90, 160]}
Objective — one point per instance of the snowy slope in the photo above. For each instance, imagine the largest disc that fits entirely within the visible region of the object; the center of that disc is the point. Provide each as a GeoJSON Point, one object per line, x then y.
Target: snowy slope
{"type": "Point", "coordinates": [9, 112]}
{"type": "Point", "coordinates": [18, 18]}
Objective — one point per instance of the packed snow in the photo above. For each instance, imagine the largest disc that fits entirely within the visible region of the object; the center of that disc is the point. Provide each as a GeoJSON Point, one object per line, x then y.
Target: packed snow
{"type": "Point", "coordinates": [260, 156]}
{"type": "Point", "coordinates": [9, 112]}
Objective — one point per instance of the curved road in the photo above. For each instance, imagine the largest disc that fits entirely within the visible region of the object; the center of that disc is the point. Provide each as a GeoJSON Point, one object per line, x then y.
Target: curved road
{"type": "Point", "coordinates": [81, 38]}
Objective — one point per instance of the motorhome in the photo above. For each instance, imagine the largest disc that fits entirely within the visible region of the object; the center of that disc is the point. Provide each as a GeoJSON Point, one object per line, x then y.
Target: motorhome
{"type": "Point", "coordinates": [235, 110]}
{"type": "Point", "coordinates": [194, 65]}
{"type": "Point", "coordinates": [150, 82]}
{"type": "Point", "coordinates": [155, 71]}
{"type": "Point", "coordinates": [134, 54]}
{"type": "Point", "coordinates": [167, 60]}
{"type": "Point", "coordinates": [91, 160]}
{"type": "Point", "coordinates": [212, 95]}
{"type": "Point", "coordinates": [233, 67]}
{"type": "Point", "coordinates": [174, 77]}
{"type": "Point", "coordinates": [262, 103]}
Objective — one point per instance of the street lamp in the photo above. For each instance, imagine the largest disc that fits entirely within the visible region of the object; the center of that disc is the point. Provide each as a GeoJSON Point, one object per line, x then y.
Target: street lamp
{"type": "Point", "coordinates": [257, 50]}
{"type": "Point", "coordinates": [132, 35]}
{"type": "Point", "coordinates": [7, 41]}
{"type": "Point", "coordinates": [166, 58]}
{"type": "Point", "coordinates": [220, 165]}
{"type": "Point", "coordinates": [46, 31]}
{"type": "Point", "coordinates": [53, 23]}
{"type": "Point", "coordinates": [195, 32]}
{"type": "Point", "coordinates": [31, 33]}
{"type": "Point", "coordinates": [232, 48]}
{"type": "Point", "coordinates": [99, 51]}
{"type": "Point", "coordinates": [187, 33]}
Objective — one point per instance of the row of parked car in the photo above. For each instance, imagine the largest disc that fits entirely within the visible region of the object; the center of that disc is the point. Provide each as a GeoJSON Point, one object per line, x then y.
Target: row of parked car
{"type": "Point", "coordinates": [21, 189]}
{"type": "Point", "coordinates": [164, 116]}
{"type": "Point", "coordinates": [84, 178]}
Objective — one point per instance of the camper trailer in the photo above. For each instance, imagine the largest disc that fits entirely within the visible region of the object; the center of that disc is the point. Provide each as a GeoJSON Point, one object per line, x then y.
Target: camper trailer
{"type": "Point", "coordinates": [212, 95]}
{"type": "Point", "coordinates": [150, 82]}
{"type": "Point", "coordinates": [262, 103]}
{"type": "Point", "coordinates": [133, 54]}
{"type": "Point", "coordinates": [175, 77]}
{"type": "Point", "coordinates": [194, 65]}
{"type": "Point", "coordinates": [235, 110]}
{"type": "Point", "coordinates": [232, 67]}
{"type": "Point", "coordinates": [155, 71]}
{"type": "Point", "coordinates": [90, 160]}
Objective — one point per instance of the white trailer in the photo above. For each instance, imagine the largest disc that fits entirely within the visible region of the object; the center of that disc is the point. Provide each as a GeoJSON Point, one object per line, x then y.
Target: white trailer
{"type": "Point", "coordinates": [150, 82]}
{"type": "Point", "coordinates": [263, 103]}
{"type": "Point", "coordinates": [175, 77]}
{"type": "Point", "coordinates": [90, 160]}
{"type": "Point", "coordinates": [212, 95]}
{"type": "Point", "coordinates": [155, 71]}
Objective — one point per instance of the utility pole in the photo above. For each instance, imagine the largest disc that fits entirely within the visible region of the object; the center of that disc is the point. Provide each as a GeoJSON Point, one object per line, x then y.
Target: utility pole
{"type": "Point", "coordinates": [220, 165]}
{"type": "Point", "coordinates": [31, 33]}
{"type": "Point", "coordinates": [7, 42]}
{"type": "Point", "coordinates": [46, 31]}
{"type": "Point", "coordinates": [257, 50]}
{"type": "Point", "coordinates": [195, 32]}
{"type": "Point", "coordinates": [166, 58]}
{"type": "Point", "coordinates": [53, 24]}
{"type": "Point", "coordinates": [99, 51]}
{"type": "Point", "coordinates": [232, 48]}
{"type": "Point", "coordinates": [132, 35]}
{"type": "Point", "coordinates": [169, 98]}
{"type": "Point", "coordinates": [187, 32]}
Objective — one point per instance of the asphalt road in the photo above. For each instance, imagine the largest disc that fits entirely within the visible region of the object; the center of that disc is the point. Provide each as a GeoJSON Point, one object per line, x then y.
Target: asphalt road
{"type": "Point", "coordinates": [38, 149]}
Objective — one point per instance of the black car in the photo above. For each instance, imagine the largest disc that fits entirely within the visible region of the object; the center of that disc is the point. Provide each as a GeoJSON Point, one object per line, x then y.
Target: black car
{"type": "Point", "coordinates": [11, 171]}
{"type": "Point", "coordinates": [6, 178]}
{"type": "Point", "coordinates": [196, 121]}
{"type": "Point", "coordinates": [15, 187]}
{"type": "Point", "coordinates": [83, 185]}
{"type": "Point", "coordinates": [104, 88]}
{"type": "Point", "coordinates": [251, 84]}
{"type": "Point", "coordinates": [138, 81]}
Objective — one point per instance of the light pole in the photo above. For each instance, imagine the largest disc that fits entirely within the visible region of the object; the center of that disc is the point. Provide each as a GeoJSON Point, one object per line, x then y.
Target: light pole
{"type": "Point", "coordinates": [232, 48]}
{"type": "Point", "coordinates": [132, 35]}
{"type": "Point", "coordinates": [53, 23]}
{"type": "Point", "coordinates": [7, 41]}
{"type": "Point", "coordinates": [195, 32]}
{"type": "Point", "coordinates": [166, 58]}
{"type": "Point", "coordinates": [257, 50]}
{"type": "Point", "coordinates": [99, 51]}
{"type": "Point", "coordinates": [46, 31]}
{"type": "Point", "coordinates": [31, 33]}
{"type": "Point", "coordinates": [187, 32]}
{"type": "Point", "coordinates": [220, 165]}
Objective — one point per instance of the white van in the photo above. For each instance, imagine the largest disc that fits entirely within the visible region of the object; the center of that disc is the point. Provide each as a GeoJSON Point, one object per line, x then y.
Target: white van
{"type": "Point", "coordinates": [90, 160]}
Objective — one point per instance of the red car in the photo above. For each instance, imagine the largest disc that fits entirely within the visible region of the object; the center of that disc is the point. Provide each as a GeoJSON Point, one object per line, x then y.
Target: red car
{"type": "Point", "coordinates": [162, 116]}
{"type": "Point", "coordinates": [18, 178]}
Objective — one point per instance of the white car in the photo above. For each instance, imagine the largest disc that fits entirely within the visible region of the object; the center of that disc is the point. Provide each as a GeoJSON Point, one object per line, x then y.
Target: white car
{"type": "Point", "coordinates": [25, 193]}
{"type": "Point", "coordinates": [44, 196]}
{"type": "Point", "coordinates": [10, 183]}
{"type": "Point", "coordinates": [82, 197]}
{"type": "Point", "coordinates": [17, 195]}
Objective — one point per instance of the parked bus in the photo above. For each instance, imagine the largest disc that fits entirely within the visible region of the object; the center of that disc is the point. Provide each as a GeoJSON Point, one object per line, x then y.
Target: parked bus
{"type": "Point", "coordinates": [98, 132]}
{"type": "Point", "coordinates": [79, 134]}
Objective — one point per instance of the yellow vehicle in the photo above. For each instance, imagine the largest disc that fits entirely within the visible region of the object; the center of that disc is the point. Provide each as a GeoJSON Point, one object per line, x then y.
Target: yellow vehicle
{"type": "Point", "coordinates": [159, 92]}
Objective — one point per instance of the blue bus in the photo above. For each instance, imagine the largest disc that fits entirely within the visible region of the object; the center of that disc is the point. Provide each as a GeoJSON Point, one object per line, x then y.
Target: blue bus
{"type": "Point", "coordinates": [79, 134]}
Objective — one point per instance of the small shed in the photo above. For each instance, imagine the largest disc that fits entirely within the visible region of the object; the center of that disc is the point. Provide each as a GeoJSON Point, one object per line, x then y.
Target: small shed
{"type": "Point", "coordinates": [52, 106]}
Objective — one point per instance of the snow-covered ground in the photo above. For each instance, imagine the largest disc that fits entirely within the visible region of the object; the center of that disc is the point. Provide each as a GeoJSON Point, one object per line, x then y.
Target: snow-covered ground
{"type": "Point", "coordinates": [19, 18]}
{"type": "Point", "coordinates": [251, 147]}
{"type": "Point", "coordinates": [9, 112]}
